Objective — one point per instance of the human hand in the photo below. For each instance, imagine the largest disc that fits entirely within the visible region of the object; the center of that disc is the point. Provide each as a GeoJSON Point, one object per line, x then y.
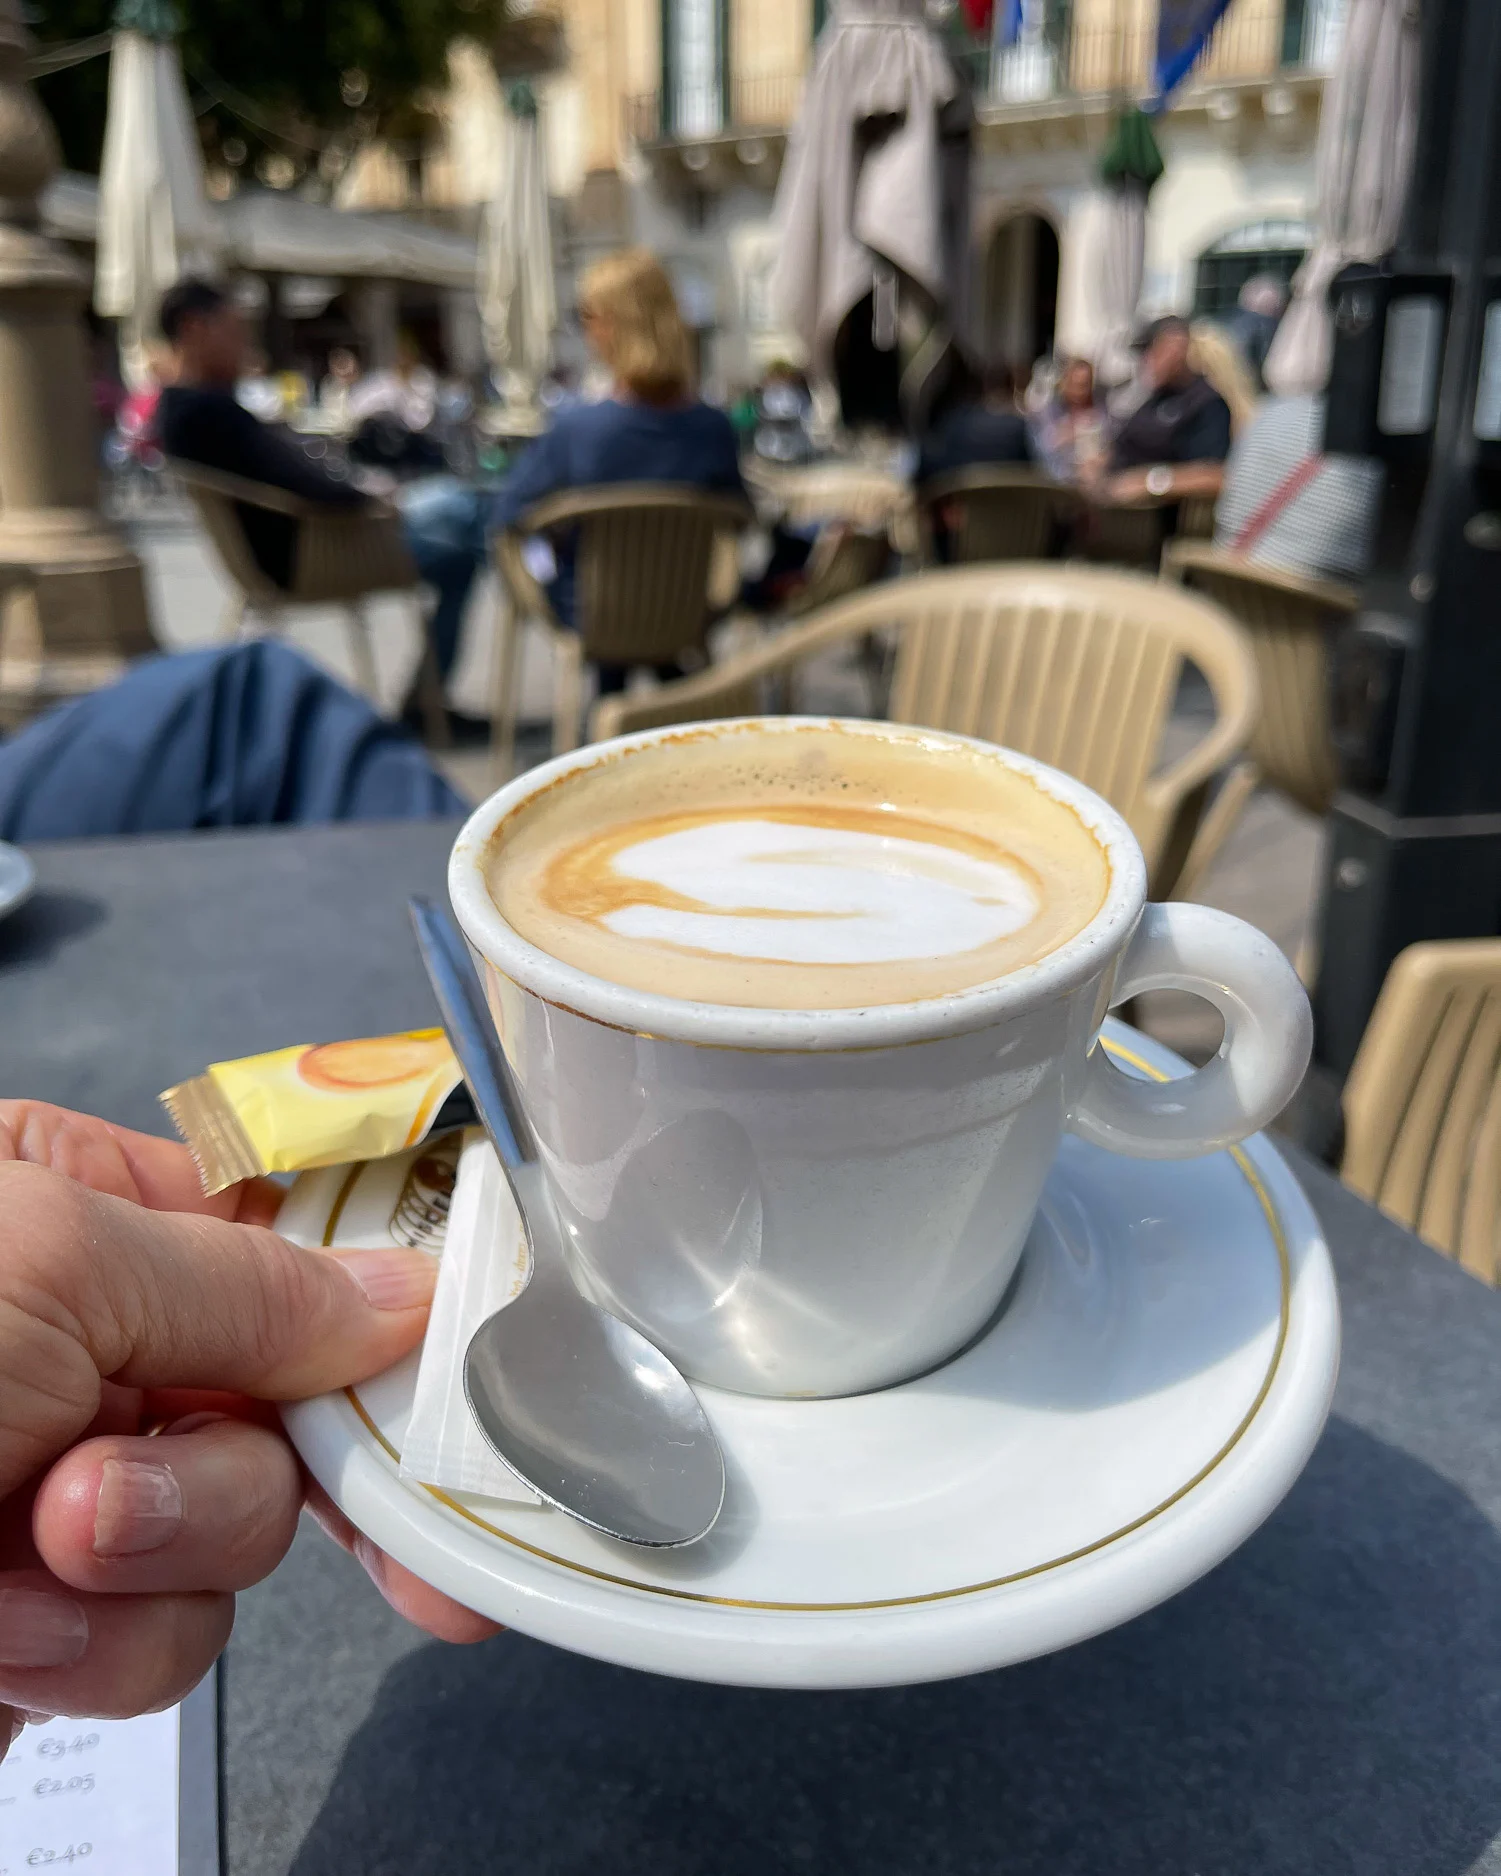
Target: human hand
{"type": "Point", "coordinates": [129, 1301]}
{"type": "Point", "coordinates": [1129, 486]}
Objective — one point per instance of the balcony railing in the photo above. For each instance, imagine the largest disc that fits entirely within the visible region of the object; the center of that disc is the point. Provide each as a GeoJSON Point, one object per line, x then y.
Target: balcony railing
{"type": "Point", "coordinates": [688, 113]}
{"type": "Point", "coordinates": [1061, 55]}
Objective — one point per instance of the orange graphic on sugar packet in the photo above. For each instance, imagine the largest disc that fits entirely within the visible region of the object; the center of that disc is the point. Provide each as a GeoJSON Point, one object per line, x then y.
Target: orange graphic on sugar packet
{"type": "Point", "coordinates": [374, 1061]}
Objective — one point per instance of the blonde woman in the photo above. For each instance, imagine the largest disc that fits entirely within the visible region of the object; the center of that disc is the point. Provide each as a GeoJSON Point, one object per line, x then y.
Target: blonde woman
{"type": "Point", "coordinates": [652, 428]}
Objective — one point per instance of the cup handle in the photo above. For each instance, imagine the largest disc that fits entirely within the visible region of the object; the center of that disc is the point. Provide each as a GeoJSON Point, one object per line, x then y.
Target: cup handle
{"type": "Point", "coordinates": [1268, 1039]}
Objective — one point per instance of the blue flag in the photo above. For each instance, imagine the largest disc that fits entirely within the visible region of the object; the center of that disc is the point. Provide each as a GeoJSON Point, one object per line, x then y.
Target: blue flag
{"type": "Point", "coordinates": [1183, 31]}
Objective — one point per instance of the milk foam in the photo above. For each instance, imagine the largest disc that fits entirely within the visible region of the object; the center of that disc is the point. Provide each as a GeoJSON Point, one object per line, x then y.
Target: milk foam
{"type": "Point", "coordinates": [795, 866]}
{"type": "Point", "coordinates": [818, 895]}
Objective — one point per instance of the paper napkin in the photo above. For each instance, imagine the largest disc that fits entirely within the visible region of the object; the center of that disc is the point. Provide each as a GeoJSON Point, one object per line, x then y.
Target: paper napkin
{"type": "Point", "coordinates": [484, 1266]}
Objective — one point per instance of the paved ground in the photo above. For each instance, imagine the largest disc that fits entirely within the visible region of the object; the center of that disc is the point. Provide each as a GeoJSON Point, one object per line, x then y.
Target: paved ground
{"type": "Point", "coordinates": [1268, 871]}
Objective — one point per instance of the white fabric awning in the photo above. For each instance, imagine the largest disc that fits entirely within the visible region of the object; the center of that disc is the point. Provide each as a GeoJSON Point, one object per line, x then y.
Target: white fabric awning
{"type": "Point", "coordinates": [269, 232]}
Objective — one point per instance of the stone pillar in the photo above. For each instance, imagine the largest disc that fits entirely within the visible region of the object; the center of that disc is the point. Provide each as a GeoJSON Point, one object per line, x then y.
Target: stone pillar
{"type": "Point", "coordinates": [88, 588]}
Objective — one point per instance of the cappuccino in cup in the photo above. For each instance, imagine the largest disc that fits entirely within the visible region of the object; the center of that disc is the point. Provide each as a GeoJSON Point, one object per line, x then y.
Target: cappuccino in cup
{"type": "Point", "coordinates": [799, 1011]}
{"type": "Point", "coordinates": [797, 868]}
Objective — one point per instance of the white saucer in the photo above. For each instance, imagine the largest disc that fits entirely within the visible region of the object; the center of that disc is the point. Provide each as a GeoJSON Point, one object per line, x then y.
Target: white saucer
{"type": "Point", "coordinates": [1156, 1383]}
{"type": "Point", "coordinates": [17, 878]}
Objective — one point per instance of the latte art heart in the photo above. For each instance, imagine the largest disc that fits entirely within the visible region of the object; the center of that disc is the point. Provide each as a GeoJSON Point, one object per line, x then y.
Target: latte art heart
{"type": "Point", "coordinates": [810, 894]}
{"type": "Point", "coordinates": [793, 866]}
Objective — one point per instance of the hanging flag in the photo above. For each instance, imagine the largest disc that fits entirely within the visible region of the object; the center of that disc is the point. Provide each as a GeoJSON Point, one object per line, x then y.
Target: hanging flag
{"type": "Point", "coordinates": [1183, 30]}
{"type": "Point", "coordinates": [978, 15]}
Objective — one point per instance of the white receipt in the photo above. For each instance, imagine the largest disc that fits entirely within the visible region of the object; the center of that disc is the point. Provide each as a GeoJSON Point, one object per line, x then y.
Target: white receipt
{"type": "Point", "coordinates": [92, 1797]}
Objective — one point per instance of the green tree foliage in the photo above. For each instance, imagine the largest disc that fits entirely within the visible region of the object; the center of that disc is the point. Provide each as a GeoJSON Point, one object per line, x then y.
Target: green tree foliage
{"type": "Point", "coordinates": [303, 81]}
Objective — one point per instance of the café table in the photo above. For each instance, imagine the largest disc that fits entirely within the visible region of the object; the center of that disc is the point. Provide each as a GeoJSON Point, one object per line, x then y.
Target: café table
{"type": "Point", "coordinates": [1325, 1702]}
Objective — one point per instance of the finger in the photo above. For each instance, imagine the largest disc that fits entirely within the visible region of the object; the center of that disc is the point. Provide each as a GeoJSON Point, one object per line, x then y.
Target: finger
{"type": "Point", "coordinates": [162, 1408]}
{"type": "Point", "coordinates": [211, 1508]}
{"type": "Point", "coordinates": [93, 1286]}
{"type": "Point", "coordinates": [422, 1605]}
{"type": "Point", "coordinates": [108, 1657]}
{"type": "Point", "coordinates": [159, 1174]}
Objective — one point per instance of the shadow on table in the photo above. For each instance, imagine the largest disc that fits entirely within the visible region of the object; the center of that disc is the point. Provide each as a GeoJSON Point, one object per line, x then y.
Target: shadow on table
{"type": "Point", "coordinates": [1324, 1703]}
{"type": "Point", "coordinates": [46, 923]}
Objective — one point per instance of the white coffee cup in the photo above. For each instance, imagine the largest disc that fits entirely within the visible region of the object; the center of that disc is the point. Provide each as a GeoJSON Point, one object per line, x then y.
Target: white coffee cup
{"type": "Point", "coordinates": [820, 1202]}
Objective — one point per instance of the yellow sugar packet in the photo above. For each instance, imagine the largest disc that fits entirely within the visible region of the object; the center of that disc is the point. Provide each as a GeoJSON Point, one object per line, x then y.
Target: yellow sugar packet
{"type": "Point", "coordinates": [319, 1104]}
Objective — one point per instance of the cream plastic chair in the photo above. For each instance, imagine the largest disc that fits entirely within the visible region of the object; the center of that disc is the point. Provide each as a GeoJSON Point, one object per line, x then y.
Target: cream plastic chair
{"type": "Point", "coordinates": [1289, 620]}
{"type": "Point", "coordinates": [343, 558]}
{"type": "Point", "coordinates": [995, 511]}
{"type": "Point", "coordinates": [1074, 666]}
{"type": "Point", "coordinates": [645, 570]}
{"type": "Point", "coordinates": [1423, 1101]}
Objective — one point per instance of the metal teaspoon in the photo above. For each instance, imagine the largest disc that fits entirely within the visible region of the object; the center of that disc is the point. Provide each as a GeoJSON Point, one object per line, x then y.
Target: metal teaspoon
{"type": "Point", "coordinates": [575, 1402]}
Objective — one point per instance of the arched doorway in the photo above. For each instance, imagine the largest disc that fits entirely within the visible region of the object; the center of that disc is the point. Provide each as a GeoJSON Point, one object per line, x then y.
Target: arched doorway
{"type": "Point", "coordinates": [1020, 293]}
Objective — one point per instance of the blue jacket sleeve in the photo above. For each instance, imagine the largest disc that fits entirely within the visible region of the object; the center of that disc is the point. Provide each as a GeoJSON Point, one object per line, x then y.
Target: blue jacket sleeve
{"type": "Point", "coordinates": [542, 471]}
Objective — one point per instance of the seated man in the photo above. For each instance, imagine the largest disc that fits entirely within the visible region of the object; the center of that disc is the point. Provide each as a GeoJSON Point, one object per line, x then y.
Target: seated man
{"type": "Point", "coordinates": [201, 421]}
{"type": "Point", "coordinates": [1175, 440]}
{"type": "Point", "coordinates": [1288, 505]}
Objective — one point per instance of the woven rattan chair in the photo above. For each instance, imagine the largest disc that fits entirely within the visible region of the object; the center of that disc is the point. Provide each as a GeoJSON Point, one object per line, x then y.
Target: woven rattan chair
{"type": "Point", "coordinates": [343, 558]}
{"type": "Point", "coordinates": [1072, 665]}
{"type": "Point", "coordinates": [644, 567]}
{"type": "Point", "coordinates": [51, 651]}
{"type": "Point", "coordinates": [1423, 1101]}
{"type": "Point", "coordinates": [997, 511]}
{"type": "Point", "coordinates": [1290, 620]}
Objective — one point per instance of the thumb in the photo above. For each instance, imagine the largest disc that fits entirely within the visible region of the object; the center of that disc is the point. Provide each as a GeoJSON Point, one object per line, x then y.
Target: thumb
{"type": "Point", "coordinates": [94, 1287]}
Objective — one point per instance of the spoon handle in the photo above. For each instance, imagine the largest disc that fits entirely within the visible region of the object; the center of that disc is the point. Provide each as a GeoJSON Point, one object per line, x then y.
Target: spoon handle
{"type": "Point", "coordinates": [471, 1032]}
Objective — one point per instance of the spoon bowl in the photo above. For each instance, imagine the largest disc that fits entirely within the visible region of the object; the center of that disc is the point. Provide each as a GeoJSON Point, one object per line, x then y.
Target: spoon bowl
{"type": "Point", "coordinates": [577, 1404]}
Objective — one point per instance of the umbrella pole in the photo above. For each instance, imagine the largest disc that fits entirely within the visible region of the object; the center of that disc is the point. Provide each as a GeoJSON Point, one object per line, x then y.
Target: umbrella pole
{"type": "Point", "coordinates": [85, 584]}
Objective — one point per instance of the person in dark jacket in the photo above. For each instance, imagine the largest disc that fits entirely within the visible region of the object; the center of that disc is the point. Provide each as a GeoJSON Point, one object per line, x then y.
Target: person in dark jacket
{"type": "Point", "coordinates": [1175, 441]}
{"type": "Point", "coordinates": [200, 421]}
{"type": "Point", "coordinates": [984, 429]}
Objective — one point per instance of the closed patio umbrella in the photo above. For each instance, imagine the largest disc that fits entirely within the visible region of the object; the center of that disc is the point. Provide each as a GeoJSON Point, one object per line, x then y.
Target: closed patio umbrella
{"type": "Point", "coordinates": [154, 219]}
{"type": "Point", "coordinates": [517, 295]}
{"type": "Point", "coordinates": [873, 200]}
{"type": "Point", "coordinates": [1363, 165]}
{"type": "Point", "coordinates": [1115, 260]}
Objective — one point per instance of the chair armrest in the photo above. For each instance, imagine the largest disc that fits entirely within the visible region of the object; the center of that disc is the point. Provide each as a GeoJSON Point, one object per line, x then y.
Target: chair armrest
{"type": "Point", "coordinates": [1183, 557]}
{"type": "Point", "coordinates": [706, 692]}
{"type": "Point", "coordinates": [983, 479]}
{"type": "Point", "coordinates": [528, 596]}
{"type": "Point", "coordinates": [254, 494]}
{"type": "Point", "coordinates": [574, 505]}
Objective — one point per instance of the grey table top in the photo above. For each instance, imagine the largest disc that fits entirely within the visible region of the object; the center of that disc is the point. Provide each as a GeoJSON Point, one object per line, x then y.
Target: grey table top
{"type": "Point", "coordinates": [1325, 1702]}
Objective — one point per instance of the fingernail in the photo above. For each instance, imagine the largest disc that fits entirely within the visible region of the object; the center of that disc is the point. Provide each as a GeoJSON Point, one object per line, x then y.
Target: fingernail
{"type": "Point", "coordinates": [392, 1279]}
{"type": "Point", "coordinates": [40, 1630]}
{"type": "Point", "coordinates": [190, 1423]}
{"type": "Point", "coordinates": [14, 1727]}
{"type": "Point", "coordinates": [140, 1508]}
